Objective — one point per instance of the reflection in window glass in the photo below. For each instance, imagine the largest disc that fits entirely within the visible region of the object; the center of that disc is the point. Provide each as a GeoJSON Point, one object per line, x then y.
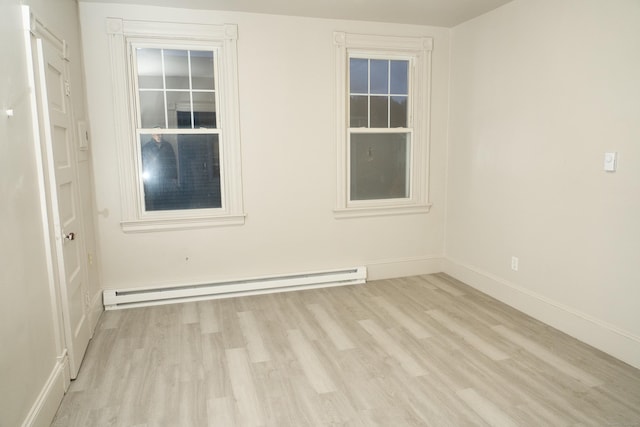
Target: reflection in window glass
{"type": "Point", "coordinates": [172, 82]}
{"type": "Point", "coordinates": [176, 68]}
{"type": "Point", "coordinates": [204, 102]}
{"type": "Point", "coordinates": [379, 166]}
{"type": "Point", "coordinates": [152, 109]}
{"type": "Point", "coordinates": [149, 68]}
{"type": "Point", "coordinates": [177, 101]}
{"type": "Point", "coordinates": [202, 70]}
{"type": "Point", "coordinates": [176, 90]}
{"type": "Point", "coordinates": [180, 171]}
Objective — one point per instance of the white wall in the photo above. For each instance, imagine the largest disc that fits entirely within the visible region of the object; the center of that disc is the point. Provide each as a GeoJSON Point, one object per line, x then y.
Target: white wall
{"type": "Point", "coordinates": [540, 91]}
{"type": "Point", "coordinates": [32, 380]}
{"type": "Point", "coordinates": [288, 161]}
{"type": "Point", "coordinates": [28, 353]}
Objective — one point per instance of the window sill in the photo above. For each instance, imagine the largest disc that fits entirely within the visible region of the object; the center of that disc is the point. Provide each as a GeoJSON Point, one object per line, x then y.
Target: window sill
{"type": "Point", "coordinates": [341, 213]}
{"type": "Point", "coordinates": [172, 224]}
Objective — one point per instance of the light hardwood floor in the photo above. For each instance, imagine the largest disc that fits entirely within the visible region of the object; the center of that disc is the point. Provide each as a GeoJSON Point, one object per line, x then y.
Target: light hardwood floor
{"type": "Point", "coordinates": [424, 350]}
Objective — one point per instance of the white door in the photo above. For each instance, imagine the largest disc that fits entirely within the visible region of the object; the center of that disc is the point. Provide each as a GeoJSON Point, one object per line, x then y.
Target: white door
{"type": "Point", "coordinates": [57, 138]}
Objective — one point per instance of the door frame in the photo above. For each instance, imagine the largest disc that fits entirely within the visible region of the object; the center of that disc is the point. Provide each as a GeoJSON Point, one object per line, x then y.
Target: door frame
{"type": "Point", "coordinates": [38, 35]}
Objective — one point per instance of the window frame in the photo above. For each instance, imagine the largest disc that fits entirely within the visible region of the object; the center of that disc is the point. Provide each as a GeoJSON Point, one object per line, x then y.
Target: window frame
{"type": "Point", "coordinates": [417, 50]}
{"type": "Point", "coordinates": [124, 37]}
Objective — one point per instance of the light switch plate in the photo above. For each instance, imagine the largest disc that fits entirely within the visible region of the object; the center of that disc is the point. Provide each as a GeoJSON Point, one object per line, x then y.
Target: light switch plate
{"type": "Point", "coordinates": [610, 161]}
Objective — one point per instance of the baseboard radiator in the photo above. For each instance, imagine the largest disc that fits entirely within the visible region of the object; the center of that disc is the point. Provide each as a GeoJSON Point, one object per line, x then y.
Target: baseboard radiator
{"type": "Point", "coordinates": [115, 299]}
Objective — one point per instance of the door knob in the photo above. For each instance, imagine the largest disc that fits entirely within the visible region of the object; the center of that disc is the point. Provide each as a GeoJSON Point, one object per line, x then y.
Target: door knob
{"type": "Point", "coordinates": [70, 236]}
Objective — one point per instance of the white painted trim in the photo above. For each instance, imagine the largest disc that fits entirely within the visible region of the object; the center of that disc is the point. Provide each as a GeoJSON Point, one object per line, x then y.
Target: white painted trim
{"type": "Point", "coordinates": [38, 29]}
{"type": "Point", "coordinates": [169, 224]}
{"type": "Point", "coordinates": [404, 267]}
{"type": "Point", "coordinates": [381, 211]}
{"type": "Point", "coordinates": [95, 311]}
{"type": "Point", "coordinates": [124, 33]}
{"type": "Point", "coordinates": [175, 30]}
{"type": "Point", "coordinates": [610, 339]}
{"type": "Point", "coordinates": [29, 23]}
{"type": "Point", "coordinates": [46, 404]}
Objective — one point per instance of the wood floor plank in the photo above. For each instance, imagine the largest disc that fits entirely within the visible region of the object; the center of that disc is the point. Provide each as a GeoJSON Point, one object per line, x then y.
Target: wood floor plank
{"type": "Point", "coordinates": [311, 364]}
{"type": "Point", "coordinates": [488, 411]}
{"type": "Point", "coordinates": [444, 285]}
{"type": "Point", "coordinates": [390, 346]}
{"type": "Point", "coordinates": [547, 356]}
{"type": "Point", "coordinates": [249, 409]}
{"type": "Point", "coordinates": [221, 412]}
{"type": "Point", "coordinates": [410, 324]}
{"type": "Point", "coordinates": [482, 345]}
{"type": "Point", "coordinates": [207, 317]}
{"type": "Point", "coordinates": [255, 345]}
{"type": "Point", "coordinates": [334, 331]}
{"type": "Point", "coordinates": [189, 312]}
{"type": "Point", "coordinates": [423, 350]}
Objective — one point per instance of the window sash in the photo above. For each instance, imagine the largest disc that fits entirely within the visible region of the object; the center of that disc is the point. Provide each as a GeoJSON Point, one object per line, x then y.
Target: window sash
{"type": "Point", "coordinates": [409, 166]}
{"type": "Point", "coordinates": [389, 95]}
{"type": "Point", "coordinates": [190, 107]}
{"type": "Point", "coordinates": [196, 194]}
{"type": "Point", "coordinates": [168, 45]}
{"type": "Point", "coordinates": [352, 180]}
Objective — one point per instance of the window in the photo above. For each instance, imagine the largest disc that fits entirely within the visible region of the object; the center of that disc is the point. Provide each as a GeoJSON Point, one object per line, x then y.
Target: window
{"type": "Point", "coordinates": [177, 90]}
{"type": "Point", "coordinates": [378, 129]}
{"type": "Point", "coordinates": [382, 86]}
{"type": "Point", "coordinates": [178, 121]}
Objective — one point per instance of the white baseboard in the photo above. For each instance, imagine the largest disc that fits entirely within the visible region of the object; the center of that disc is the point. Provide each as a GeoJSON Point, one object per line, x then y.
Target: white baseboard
{"type": "Point", "coordinates": [403, 267]}
{"type": "Point", "coordinates": [608, 338]}
{"type": "Point", "coordinates": [46, 405]}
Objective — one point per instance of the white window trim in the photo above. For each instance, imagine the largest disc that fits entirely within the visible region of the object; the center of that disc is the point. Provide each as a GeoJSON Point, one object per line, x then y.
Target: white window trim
{"type": "Point", "coordinates": [224, 38]}
{"type": "Point", "coordinates": [419, 50]}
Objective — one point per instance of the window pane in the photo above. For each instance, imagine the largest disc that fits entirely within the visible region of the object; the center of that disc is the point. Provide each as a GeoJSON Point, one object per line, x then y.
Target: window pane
{"type": "Point", "coordinates": [188, 180]}
{"type": "Point", "coordinates": [176, 69]}
{"type": "Point", "coordinates": [178, 102]}
{"type": "Point", "coordinates": [149, 63]}
{"type": "Point", "coordinates": [379, 166]}
{"type": "Point", "coordinates": [152, 109]}
{"type": "Point", "coordinates": [399, 77]}
{"type": "Point", "coordinates": [379, 76]}
{"type": "Point", "coordinates": [398, 112]}
{"type": "Point", "coordinates": [202, 70]}
{"type": "Point", "coordinates": [359, 75]}
{"type": "Point", "coordinates": [359, 112]}
{"type": "Point", "coordinates": [204, 108]}
{"type": "Point", "coordinates": [199, 162]}
{"type": "Point", "coordinates": [379, 112]}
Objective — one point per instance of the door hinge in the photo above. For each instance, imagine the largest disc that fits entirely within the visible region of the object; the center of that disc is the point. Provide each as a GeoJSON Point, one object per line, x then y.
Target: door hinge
{"type": "Point", "coordinates": [65, 50]}
{"type": "Point", "coordinates": [67, 88]}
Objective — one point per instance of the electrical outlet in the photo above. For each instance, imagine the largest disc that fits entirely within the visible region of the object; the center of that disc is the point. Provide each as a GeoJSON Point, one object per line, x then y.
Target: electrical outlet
{"type": "Point", "coordinates": [514, 263]}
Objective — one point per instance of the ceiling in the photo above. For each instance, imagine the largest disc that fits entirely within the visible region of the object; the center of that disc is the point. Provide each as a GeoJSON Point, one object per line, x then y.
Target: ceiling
{"type": "Point", "coordinates": [441, 13]}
